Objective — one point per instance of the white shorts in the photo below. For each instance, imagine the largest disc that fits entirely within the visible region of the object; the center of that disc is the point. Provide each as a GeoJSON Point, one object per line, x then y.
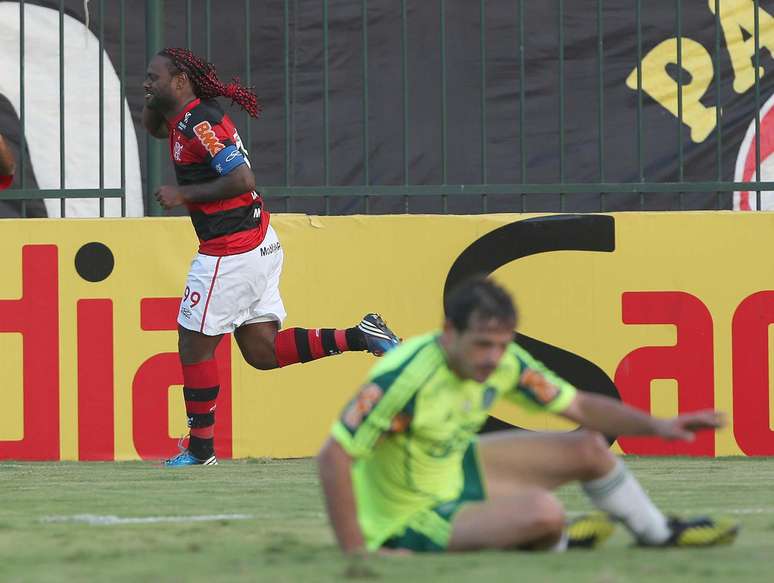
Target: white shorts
{"type": "Point", "coordinates": [223, 293]}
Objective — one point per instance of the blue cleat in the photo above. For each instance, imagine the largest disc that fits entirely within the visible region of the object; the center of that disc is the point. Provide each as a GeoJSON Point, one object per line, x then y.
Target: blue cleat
{"type": "Point", "coordinates": [186, 458]}
{"type": "Point", "coordinates": [379, 338]}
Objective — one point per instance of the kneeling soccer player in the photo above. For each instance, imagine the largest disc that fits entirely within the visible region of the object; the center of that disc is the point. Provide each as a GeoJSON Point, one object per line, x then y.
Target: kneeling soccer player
{"type": "Point", "coordinates": [404, 469]}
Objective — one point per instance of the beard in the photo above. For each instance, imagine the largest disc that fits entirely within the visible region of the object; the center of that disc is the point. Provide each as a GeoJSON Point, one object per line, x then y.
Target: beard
{"type": "Point", "coordinates": [161, 103]}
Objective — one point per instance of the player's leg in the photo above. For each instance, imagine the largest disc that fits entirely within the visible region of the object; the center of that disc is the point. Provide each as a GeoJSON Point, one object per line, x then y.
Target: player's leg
{"type": "Point", "coordinates": [265, 347]}
{"type": "Point", "coordinates": [512, 513]}
{"type": "Point", "coordinates": [200, 391]}
{"type": "Point", "coordinates": [205, 315]}
{"type": "Point", "coordinates": [256, 343]}
{"type": "Point", "coordinates": [530, 519]}
{"type": "Point", "coordinates": [533, 519]}
{"type": "Point", "coordinates": [548, 460]}
{"type": "Point", "coordinates": [512, 460]}
{"type": "Point", "coordinates": [195, 347]}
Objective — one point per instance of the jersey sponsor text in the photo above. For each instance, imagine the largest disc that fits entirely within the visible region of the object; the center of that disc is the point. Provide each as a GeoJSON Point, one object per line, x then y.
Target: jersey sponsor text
{"type": "Point", "coordinates": [207, 137]}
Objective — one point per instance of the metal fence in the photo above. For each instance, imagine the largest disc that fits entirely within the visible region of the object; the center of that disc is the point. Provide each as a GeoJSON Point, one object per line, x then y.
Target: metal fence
{"type": "Point", "coordinates": [24, 193]}
{"type": "Point", "coordinates": [285, 193]}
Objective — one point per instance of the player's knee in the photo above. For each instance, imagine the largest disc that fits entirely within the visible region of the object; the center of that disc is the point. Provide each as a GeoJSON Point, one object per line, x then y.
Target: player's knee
{"type": "Point", "coordinates": [260, 357]}
{"type": "Point", "coordinates": [548, 514]}
{"type": "Point", "coordinates": [594, 453]}
{"type": "Point", "coordinates": [189, 352]}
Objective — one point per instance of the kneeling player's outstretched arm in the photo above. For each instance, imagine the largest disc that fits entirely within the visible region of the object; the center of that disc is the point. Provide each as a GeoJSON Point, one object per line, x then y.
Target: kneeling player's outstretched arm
{"type": "Point", "coordinates": [612, 417]}
{"type": "Point", "coordinates": [334, 465]}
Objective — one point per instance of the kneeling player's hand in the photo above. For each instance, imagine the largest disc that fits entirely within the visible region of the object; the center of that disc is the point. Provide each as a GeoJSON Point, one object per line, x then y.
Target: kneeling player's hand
{"type": "Point", "coordinates": [683, 427]}
{"type": "Point", "coordinates": [169, 197]}
{"type": "Point", "coordinates": [394, 552]}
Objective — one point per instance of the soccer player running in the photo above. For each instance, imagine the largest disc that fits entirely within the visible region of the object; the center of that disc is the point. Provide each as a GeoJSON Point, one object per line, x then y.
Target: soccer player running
{"type": "Point", "coordinates": [404, 470]}
{"type": "Point", "coordinates": [233, 282]}
{"type": "Point", "coordinates": [7, 165]}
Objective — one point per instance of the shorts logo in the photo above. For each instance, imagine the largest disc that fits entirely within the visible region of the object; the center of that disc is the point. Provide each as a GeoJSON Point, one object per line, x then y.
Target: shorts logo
{"type": "Point", "coordinates": [361, 406]}
{"type": "Point", "coordinates": [207, 137]}
{"type": "Point", "coordinates": [269, 249]}
{"type": "Point", "coordinates": [178, 151]}
{"type": "Point", "coordinates": [542, 390]}
{"type": "Point", "coordinates": [186, 312]}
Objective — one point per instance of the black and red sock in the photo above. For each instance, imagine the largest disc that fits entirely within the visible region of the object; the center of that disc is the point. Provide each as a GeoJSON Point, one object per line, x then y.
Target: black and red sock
{"type": "Point", "coordinates": [200, 391]}
{"type": "Point", "coordinates": [294, 345]}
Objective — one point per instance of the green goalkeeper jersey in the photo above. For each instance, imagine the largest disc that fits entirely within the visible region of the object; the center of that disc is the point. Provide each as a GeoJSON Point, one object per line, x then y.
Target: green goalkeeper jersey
{"type": "Point", "coordinates": [411, 423]}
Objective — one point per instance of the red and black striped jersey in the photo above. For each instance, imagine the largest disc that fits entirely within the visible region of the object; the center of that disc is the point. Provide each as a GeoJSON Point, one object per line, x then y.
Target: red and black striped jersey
{"type": "Point", "coordinates": [204, 144]}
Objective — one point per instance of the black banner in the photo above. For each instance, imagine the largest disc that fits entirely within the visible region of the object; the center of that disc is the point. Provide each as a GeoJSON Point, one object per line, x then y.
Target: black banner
{"type": "Point", "coordinates": [709, 151]}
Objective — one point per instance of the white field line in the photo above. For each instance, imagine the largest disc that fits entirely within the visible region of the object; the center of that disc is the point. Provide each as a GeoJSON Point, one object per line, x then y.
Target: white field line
{"type": "Point", "coordinates": [110, 520]}
{"type": "Point", "coordinates": [721, 511]}
{"type": "Point", "coordinates": [96, 519]}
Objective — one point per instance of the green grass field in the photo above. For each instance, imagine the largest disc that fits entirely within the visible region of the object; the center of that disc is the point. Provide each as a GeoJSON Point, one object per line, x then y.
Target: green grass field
{"type": "Point", "coordinates": [282, 534]}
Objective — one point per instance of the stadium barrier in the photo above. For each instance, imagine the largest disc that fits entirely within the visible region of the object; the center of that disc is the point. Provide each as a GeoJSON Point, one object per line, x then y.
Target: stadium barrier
{"type": "Point", "coordinates": [672, 307]}
{"type": "Point", "coordinates": [379, 106]}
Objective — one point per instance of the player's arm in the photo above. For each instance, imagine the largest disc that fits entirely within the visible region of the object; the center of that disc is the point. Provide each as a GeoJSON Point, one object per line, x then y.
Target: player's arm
{"type": "Point", "coordinates": [238, 181]}
{"type": "Point", "coordinates": [335, 466]}
{"type": "Point", "coordinates": [540, 388]}
{"type": "Point", "coordinates": [363, 423]}
{"type": "Point", "coordinates": [7, 163]}
{"type": "Point", "coordinates": [613, 417]}
{"type": "Point", "coordinates": [154, 122]}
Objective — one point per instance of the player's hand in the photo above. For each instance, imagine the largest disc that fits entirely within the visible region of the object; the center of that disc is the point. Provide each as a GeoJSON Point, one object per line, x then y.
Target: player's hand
{"type": "Point", "coordinates": [169, 197]}
{"type": "Point", "coordinates": [394, 552]}
{"type": "Point", "coordinates": [683, 427]}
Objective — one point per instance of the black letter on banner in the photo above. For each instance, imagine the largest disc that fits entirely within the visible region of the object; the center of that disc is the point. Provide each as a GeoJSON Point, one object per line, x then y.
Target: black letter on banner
{"type": "Point", "coordinates": [525, 238]}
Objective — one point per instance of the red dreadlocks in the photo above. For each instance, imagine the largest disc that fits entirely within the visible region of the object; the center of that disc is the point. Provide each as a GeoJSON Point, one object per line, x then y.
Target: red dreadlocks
{"type": "Point", "coordinates": [206, 83]}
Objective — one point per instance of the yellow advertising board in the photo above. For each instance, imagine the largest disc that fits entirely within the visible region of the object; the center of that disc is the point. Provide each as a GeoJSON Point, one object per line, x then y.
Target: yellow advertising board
{"type": "Point", "coordinates": [671, 311]}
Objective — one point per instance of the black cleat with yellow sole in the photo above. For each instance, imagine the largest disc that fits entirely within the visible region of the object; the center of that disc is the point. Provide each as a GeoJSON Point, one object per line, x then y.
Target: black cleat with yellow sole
{"type": "Point", "coordinates": [589, 530]}
{"type": "Point", "coordinates": [701, 532]}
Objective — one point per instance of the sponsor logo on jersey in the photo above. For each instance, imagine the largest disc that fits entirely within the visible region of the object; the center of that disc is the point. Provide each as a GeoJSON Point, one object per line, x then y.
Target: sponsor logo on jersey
{"type": "Point", "coordinates": [178, 151]}
{"type": "Point", "coordinates": [184, 122]}
{"type": "Point", "coordinates": [400, 423]}
{"type": "Point", "coordinates": [542, 390]}
{"type": "Point", "coordinates": [186, 312]}
{"type": "Point", "coordinates": [233, 155]}
{"type": "Point", "coordinates": [362, 405]}
{"type": "Point", "coordinates": [488, 398]}
{"type": "Point", "coordinates": [207, 137]}
{"type": "Point", "coordinates": [269, 249]}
